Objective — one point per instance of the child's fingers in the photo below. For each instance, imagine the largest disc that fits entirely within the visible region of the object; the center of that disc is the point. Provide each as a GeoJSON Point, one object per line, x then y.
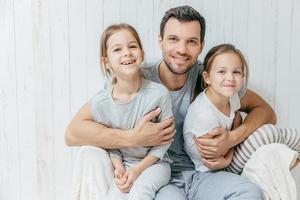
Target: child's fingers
{"type": "Point", "coordinates": [126, 187]}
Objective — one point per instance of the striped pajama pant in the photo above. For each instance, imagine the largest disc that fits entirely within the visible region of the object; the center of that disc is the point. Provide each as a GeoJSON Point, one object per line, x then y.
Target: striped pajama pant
{"type": "Point", "coordinates": [266, 134]}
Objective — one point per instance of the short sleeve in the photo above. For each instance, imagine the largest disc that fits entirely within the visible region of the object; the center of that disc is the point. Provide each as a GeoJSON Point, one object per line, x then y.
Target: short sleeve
{"type": "Point", "coordinates": [199, 124]}
{"type": "Point", "coordinates": [166, 106]}
{"type": "Point", "coordinates": [166, 112]}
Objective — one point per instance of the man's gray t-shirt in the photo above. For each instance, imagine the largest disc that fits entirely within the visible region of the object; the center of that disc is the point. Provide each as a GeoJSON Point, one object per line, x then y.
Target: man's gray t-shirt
{"type": "Point", "coordinates": [113, 114]}
{"type": "Point", "coordinates": [181, 100]}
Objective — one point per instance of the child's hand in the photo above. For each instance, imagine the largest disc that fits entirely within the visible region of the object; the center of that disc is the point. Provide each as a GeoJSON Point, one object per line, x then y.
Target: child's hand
{"type": "Point", "coordinates": [131, 175]}
{"type": "Point", "coordinates": [120, 177]}
{"type": "Point", "coordinates": [220, 162]}
{"type": "Point", "coordinates": [119, 172]}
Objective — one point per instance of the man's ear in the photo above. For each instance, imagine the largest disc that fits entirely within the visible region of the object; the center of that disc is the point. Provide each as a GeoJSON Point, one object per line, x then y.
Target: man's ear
{"type": "Point", "coordinates": [202, 46]}
{"type": "Point", "coordinates": [160, 39]}
{"type": "Point", "coordinates": [206, 78]}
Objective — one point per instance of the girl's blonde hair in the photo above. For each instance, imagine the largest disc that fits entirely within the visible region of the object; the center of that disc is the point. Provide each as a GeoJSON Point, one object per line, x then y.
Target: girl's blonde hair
{"type": "Point", "coordinates": [220, 49]}
{"type": "Point", "coordinates": [109, 31]}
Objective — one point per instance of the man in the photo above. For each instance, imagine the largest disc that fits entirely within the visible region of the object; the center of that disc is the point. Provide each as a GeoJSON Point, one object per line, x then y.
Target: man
{"type": "Point", "coordinates": [182, 32]}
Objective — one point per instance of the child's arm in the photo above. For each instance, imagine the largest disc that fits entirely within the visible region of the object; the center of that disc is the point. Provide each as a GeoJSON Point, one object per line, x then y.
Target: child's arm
{"type": "Point", "coordinates": [134, 172]}
{"type": "Point", "coordinates": [118, 166]}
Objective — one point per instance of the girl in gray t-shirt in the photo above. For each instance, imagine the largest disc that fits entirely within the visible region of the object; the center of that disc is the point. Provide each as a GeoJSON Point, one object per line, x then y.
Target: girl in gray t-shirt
{"type": "Point", "coordinates": [224, 79]}
{"type": "Point", "coordinates": [139, 171]}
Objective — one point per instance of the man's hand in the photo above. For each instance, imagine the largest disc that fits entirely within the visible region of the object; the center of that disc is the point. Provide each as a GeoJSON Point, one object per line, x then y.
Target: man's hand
{"type": "Point", "coordinates": [148, 133]}
{"type": "Point", "coordinates": [219, 163]}
{"type": "Point", "coordinates": [216, 146]}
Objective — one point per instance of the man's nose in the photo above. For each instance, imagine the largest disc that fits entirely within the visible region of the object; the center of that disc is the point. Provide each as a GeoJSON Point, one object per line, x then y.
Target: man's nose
{"type": "Point", "coordinates": [182, 48]}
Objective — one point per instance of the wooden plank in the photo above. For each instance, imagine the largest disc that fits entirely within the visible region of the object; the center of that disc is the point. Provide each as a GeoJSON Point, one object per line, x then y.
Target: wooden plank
{"type": "Point", "coordinates": [294, 71]}
{"type": "Point", "coordinates": [10, 187]}
{"type": "Point", "coordinates": [144, 15]}
{"type": "Point", "coordinates": [94, 26]}
{"type": "Point", "coordinates": [26, 99]}
{"type": "Point", "coordinates": [260, 49]}
{"type": "Point", "coordinates": [283, 90]}
{"type": "Point", "coordinates": [111, 12]}
{"type": "Point", "coordinates": [208, 11]}
{"type": "Point", "coordinates": [59, 37]}
{"type": "Point", "coordinates": [43, 76]}
{"type": "Point", "coordinates": [78, 54]}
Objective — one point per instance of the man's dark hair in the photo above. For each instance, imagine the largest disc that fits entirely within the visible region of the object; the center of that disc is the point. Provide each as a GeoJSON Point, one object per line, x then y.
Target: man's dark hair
{"type": "Point", "coordinates": [183, 14]}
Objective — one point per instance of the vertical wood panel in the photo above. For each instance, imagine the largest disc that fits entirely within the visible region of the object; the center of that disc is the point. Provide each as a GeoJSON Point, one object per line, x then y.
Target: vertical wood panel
{"type": "Point", "coordinates": [283, 91]}
{"type": "Point", "coordinates": [43, 76]}
{"type": "Point", "coordinates": [26, 99]}
{"type": "Point", "coordinates": [294, 68]}
{"type": "Point", "coordinates": [262, 48]}
{"type": "Point", "coordinates": [59, 51]}
{"type": "Point", "coordinates": [9, 134]}
{"type": "Point", "coordinates": [148, 35]}
{"type": "Point", "coordinates": [111, 12]}
{"type": "Point", "coordinates": [94, 25]}
{"type": "Point", "coordinates": [78, 57]}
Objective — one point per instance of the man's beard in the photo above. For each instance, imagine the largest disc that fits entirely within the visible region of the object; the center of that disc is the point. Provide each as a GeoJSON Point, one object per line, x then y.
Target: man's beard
{"type": "Point", "coordinates": [177, 73]}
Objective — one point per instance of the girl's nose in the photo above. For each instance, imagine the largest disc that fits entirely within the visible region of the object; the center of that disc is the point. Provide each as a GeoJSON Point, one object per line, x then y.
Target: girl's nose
{"type": "Point", "coordinates": [126, 52]}
{"type": "Point", "coordinates": [229, 76]}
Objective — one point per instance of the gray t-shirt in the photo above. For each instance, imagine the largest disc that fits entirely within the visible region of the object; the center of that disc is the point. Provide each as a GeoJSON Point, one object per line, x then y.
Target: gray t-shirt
{"type": "Point", "coordinates": [107, 111]}
{"type": "Point", "coordinates": [202, 117]}
{"type": "Point", "coordinates": [181, 100]}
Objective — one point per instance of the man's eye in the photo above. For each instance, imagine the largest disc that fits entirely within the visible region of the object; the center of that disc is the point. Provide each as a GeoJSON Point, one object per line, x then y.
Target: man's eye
{"type": "Point", "coordinates": [192, 42]}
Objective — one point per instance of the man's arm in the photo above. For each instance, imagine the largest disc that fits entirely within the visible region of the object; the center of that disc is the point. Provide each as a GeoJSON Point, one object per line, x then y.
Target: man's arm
{"type": "Point", "coordinates": [83, 130]}
{"type": "Point", "coordinates": [259, 113]}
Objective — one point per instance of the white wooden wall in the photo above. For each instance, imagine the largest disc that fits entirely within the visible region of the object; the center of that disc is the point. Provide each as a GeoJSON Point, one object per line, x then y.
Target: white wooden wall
{"type": "Point", "coordinates": [49, 68]}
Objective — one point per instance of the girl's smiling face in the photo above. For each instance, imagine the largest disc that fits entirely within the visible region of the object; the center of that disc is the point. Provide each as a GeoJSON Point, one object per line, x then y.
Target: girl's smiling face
{"type": "Point", "coordinates": [225, 75]}
{"type": "Point", "coordinates": [124, 55]}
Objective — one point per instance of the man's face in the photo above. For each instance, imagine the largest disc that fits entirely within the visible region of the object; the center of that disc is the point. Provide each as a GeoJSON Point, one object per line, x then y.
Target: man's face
{"type": "Point", "coordinates": [181, 45]}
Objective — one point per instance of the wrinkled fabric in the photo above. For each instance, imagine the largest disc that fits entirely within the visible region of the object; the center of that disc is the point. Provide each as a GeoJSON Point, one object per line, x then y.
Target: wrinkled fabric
{"type": "Point", "coordinates": [269, 167]}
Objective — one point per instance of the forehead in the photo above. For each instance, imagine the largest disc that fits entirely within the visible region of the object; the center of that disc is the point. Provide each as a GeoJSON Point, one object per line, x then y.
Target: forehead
{"type": "Point", "coordinates": [182, 29]}
{"type": "Point", "coordinates": [122, 36]}
{"type": "Point", "coordinates": [228, 59]}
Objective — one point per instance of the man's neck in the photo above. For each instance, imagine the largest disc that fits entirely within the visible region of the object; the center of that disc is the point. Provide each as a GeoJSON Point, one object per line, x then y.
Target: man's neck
{"type": "Point", "coordinates": [170, 80]}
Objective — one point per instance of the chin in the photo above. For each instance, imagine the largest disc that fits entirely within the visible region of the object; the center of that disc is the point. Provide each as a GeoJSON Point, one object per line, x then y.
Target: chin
{"type": "Point", "coordinates": [180, 69]}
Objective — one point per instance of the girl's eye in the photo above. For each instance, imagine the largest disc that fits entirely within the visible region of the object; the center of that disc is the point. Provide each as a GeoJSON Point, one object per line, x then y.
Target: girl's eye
{"type": "Point", "coordinates": [221, 72]}
{"type": "Point", "coordinates": [133, 46]}
{"type": "Point", "coordinates": [237, 72]}
{"type": "Point", "coordinates": [116, 49]}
